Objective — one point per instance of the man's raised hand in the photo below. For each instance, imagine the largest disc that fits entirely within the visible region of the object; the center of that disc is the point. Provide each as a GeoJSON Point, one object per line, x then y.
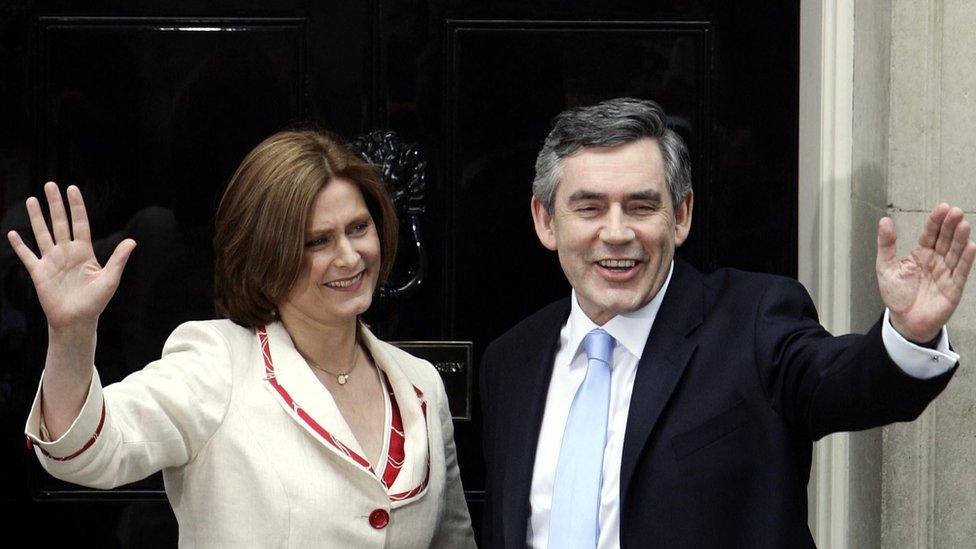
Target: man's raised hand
{"type": "Point", "coordinates": [923, 289]}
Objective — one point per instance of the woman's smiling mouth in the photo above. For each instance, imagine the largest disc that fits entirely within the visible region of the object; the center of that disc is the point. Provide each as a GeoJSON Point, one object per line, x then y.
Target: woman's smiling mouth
{"type": "Point", "coordinates": [350, 283]}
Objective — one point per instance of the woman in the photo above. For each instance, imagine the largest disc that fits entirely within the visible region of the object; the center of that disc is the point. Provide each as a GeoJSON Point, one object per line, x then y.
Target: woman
{"type": "Point", "coordinates": [286, 424]}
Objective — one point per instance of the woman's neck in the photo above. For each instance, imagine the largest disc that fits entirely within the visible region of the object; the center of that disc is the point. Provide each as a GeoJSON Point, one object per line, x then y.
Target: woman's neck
{"type": "Point", "coordinates": [329, 346]}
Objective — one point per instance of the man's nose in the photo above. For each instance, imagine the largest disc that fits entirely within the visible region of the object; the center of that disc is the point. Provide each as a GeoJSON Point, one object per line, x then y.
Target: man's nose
{"type": "Point", "coordinates": [617, 230]}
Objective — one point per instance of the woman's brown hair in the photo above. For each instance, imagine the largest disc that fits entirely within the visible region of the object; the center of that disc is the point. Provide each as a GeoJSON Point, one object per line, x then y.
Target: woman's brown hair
{"type": "Point", "coordinates": [261, 221]}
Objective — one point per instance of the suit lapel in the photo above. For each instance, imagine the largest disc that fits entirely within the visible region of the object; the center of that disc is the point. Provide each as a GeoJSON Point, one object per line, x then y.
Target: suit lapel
{"type": "Point", "coordinates": [527, 401]}
{"type": "Point", "coordinates": [665, 356]}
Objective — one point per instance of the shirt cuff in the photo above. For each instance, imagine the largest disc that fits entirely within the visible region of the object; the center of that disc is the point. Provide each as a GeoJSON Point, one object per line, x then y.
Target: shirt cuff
{"type": "Point", "coordinates": [915, 360]}
{"type": "Point", "coordinates": [82, 434]}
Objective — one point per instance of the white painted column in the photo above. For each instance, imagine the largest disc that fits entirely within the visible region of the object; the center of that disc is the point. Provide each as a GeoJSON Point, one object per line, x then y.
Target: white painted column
{"type": "Point", "coordinates": [825, 167]}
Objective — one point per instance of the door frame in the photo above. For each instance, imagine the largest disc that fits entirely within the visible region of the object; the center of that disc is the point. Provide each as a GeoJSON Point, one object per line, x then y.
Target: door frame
{"type": "Point", "coordinates": [824, 235]}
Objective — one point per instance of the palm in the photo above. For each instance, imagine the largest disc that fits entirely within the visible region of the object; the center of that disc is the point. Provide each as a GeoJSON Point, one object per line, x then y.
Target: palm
{"type": "Point", "coordinates": [70, 284]}
{"type": "Point", "coordinates": [923, 289]}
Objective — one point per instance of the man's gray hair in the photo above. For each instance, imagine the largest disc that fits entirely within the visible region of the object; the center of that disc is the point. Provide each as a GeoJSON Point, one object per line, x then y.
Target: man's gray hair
{"type": "Point", "coordinates": [607, 124]}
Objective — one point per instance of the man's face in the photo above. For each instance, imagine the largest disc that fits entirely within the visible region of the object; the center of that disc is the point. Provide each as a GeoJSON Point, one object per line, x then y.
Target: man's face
{"type": "Point", "coordinates": [613, 226]}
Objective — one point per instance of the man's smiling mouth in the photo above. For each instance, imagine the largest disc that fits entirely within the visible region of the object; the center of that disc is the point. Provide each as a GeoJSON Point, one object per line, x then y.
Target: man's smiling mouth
{"type": "Point", "coordinates": [618, 263]}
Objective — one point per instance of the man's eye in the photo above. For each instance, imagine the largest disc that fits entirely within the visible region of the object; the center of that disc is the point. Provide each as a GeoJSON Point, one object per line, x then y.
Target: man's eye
{"type": "Point", "coordinates": [643, 208]}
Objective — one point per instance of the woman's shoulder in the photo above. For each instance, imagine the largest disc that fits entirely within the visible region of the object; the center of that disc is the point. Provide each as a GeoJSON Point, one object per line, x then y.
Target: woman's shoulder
{"type": "Point", "coordinates": [405, 359]}
{"type": "Point", "coordinates": [210, 333]}
{"type": "Point", "coordinates": [420, 372]}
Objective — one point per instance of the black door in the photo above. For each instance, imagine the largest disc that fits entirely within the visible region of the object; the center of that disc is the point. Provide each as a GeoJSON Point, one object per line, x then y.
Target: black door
{"type": "Point", "coordinates": [148, 109]}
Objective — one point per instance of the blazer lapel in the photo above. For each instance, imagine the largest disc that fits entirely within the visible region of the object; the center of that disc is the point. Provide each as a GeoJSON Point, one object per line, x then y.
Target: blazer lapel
{"type": "Point", "coordinates": [304, 398]}
{"type": "Point", "coordinates": [411, 482]}
{"type": "Point", "coordinates": [665, 356]}
{"type": "Point", "coordinates": [527, 399]}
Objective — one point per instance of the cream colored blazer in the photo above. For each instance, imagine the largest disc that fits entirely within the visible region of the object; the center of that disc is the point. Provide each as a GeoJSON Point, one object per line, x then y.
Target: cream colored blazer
{"type": "Point", "coordinates": [254, 451]}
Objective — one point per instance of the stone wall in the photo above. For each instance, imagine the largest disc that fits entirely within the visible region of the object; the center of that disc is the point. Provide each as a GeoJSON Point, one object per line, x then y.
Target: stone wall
{"type": "Point", "coordinates": [914, 144]}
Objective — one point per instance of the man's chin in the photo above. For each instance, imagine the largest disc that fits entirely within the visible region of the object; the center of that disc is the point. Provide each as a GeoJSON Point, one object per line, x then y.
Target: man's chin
{"type": "Point", "coordinates": [627, 304]}
{"type": "Point", "coordinates": [603, 311]}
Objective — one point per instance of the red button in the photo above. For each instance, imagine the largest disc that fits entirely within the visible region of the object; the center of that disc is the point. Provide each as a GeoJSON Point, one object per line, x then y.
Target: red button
{"type": "Point", "coordinates": [30, 443]}
{"type": "Point", "coordinates": [379, 519]}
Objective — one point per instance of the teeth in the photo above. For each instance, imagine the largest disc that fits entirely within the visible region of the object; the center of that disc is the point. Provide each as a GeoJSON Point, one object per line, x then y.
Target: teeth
{"type": "Point", "coordinates": [344, 283]}
{"type": "Point", "coordinates": [618, 263]}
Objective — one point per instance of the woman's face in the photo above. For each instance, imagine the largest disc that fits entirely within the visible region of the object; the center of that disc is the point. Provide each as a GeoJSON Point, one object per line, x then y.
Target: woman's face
{"type": "Point", "coordinates": [341, 262]}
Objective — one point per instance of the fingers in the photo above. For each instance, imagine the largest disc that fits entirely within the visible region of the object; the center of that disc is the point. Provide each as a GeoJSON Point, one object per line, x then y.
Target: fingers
{"type": "Point", "coordinates": [59, 219]}
{"type": "Point", "coordinates": [119, 258]}
{"type": "Point", "coordinates": [886, 242]}
{"type": "Point", "coordinates": [41, 234]}
{"type": "Point", "coordinates": [930, 232]}
{"type": "Point", "coordinates": [79, 216]}
{"type": "Point", "coordinates": [25, 254]}
{"type": "Point", "coordinates": [966, 258]}
{"type": "Point", "coordinates": [959, 241]}
{"type": "Point", "coordinates": [947, 230]}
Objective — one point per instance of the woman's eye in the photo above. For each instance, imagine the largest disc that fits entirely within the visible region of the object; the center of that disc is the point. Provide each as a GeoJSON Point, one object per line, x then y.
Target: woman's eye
{"type": "Point", "coordinates": [319, 241]}
{"type": "Point", "coordinates": [360, 228]}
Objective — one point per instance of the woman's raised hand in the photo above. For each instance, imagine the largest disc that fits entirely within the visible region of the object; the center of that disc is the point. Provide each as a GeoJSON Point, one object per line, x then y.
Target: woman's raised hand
{"type": "Point", "coordinates": [72, 287]}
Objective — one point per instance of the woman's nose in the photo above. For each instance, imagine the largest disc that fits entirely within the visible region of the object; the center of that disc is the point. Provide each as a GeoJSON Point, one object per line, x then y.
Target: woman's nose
{"type": "Point", "coordinates": [347, 256]}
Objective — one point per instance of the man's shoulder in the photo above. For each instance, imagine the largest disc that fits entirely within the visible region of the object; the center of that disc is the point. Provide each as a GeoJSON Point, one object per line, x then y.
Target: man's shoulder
{"type": "Point", "coordinates": [728, 280]}
{"type": "Point", "coordinates": [736, 279]}
{"type": "Point", "coordinates": [743, 293]}
{"type": "Point", "coordinates": [531, 330]}
{"type": "Point", "coordinates": [727, 286]}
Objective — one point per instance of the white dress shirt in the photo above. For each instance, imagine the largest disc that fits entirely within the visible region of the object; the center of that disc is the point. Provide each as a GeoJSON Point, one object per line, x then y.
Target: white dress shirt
{"type": "Point", "coordinates": [630, 332]}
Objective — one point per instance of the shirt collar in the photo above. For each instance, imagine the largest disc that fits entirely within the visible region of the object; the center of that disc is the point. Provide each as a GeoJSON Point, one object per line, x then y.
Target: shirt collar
{"type": "Point", "coordinates": [630, 330]}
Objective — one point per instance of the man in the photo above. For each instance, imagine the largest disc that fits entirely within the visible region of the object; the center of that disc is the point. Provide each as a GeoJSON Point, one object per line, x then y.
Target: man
{"type": "Point", "coordinates": [660, 407]}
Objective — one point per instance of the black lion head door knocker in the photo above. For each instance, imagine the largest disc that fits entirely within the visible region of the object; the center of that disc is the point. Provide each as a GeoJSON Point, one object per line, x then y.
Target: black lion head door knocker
{"type": "Point", "coordinates": [404, 171]}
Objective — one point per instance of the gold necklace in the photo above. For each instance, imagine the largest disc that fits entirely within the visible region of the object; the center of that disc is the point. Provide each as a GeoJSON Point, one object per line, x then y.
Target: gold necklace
{"type": "Point", "coordinates": [341, 377]}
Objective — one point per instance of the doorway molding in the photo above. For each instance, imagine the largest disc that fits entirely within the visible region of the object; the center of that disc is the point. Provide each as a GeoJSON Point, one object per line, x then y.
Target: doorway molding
{"type": "Point", "coordinates": [824, 225]}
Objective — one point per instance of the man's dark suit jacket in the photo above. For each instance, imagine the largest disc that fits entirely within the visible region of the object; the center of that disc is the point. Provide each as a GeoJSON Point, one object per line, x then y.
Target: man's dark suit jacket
{"type": "Point", "coordinates": [736, 380]}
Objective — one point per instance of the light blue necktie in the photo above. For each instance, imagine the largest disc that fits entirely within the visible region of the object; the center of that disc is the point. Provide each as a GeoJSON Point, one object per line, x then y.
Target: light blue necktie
{"type": "Point", "coordinates": [575, 517]}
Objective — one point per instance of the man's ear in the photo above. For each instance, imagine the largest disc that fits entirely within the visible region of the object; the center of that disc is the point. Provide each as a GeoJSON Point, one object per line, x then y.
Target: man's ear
{"type": "Point", "coordinates": [543, 224]}
{"type": "Point", "coordinates": [682, 219]}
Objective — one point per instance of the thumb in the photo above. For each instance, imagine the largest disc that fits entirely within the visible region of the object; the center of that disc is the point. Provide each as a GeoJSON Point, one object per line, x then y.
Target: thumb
{"type": "Point", "coordinates": [115, 264]}
{"type": "Point", "coordinates": [886, 242]}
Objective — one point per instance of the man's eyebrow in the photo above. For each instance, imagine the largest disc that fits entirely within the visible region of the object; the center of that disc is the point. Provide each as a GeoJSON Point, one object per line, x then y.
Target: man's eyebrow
{"type": "Point", "coordinates": [648, 195]}
{"type": "Point", "coordinates": [586, 195]}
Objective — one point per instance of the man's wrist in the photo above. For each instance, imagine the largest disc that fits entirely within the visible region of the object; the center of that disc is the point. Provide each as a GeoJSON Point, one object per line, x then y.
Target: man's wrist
{"type": "Point", "coordinates": [932, 343]}
{"type": "Point", "coordinates": [929, 339]}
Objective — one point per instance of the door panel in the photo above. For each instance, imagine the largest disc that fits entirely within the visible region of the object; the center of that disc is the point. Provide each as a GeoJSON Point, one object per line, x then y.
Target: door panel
{"type": "Point", "coordinates": [149, 109]}
{"type": "Point", "coordinates": [509, 80]}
